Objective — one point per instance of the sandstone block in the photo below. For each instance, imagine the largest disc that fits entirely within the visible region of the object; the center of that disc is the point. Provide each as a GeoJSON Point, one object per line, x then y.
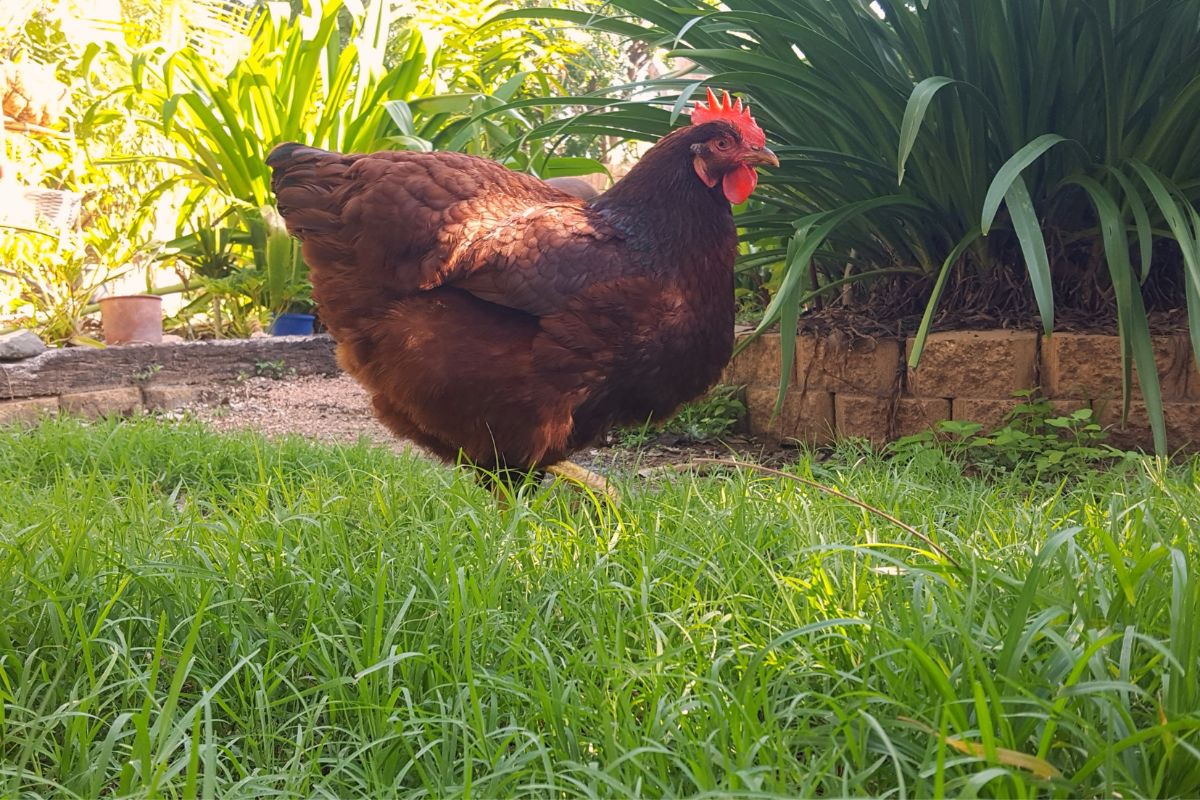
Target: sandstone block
{"type": "Point", "coordinates": [1192, 384]}
{"type": "Point", "coordinates": [1089, 365]}
{"type": "Point", "coordinates": [987, 411]}
{"type": "Point", "coordinates": [863, 416]}
{"type": "Point", "coordinates": [805, 416]}
{"type": "Point", "coordinates": [1182, 419]}
{"type": "Point", "coordinates": [165, 398]}
{"type": "Point", "coordinates": [880, 419]}
{"type": "Point", "coordinates": [991, 412]}
{"type": "Point", "coordinates": [102, 403]}
{"type": "Point", "coordinates": [837, 364]}
{"type": "Point", "coordinates": [917, 414]}
{"type": "Point", "coordinates": [29, 411]}
{"type": "Point", "coordinates": [975, 364]}
{"type": "Point", "coordinates": [757, 365]}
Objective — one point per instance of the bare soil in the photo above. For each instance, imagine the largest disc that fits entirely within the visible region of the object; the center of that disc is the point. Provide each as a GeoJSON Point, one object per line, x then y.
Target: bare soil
{"type": "Point", "coordinates": [338, 410]}
{"type": "Point", "coordinates": [326, 409]}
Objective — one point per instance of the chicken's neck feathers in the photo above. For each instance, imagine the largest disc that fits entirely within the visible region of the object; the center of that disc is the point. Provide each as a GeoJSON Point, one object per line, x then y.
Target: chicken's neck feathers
{"type": "Point", "coordinates": [668, 215]}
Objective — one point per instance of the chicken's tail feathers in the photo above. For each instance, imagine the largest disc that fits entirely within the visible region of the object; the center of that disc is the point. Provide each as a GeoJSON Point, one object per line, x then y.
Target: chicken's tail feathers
{"type": "Point", "coordinates": [302, 179]}
{"type": "Point", "coordinates": [292, 162]}
{"type": "Point", "coordinates": [282, 153]}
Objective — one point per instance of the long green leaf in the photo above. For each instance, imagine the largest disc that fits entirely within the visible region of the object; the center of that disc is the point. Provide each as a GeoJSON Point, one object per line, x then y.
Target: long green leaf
{"type": "Point", "coordinates": [914, 357]}
{"type": "Point", "coordinates": [1009, 173]}
{"type": "Point", "coordinates": [1131, 311]}
{"type": "Point", "coordinates": [914, 115]}
{"type": "Point", "coordinates": [1141, 221]}
{"type": "Point", "coordinates": [1033, 247]}
{"type": "Point", "coordinates": [1173, 212]}
{"type": "Point", "coordinates": [785, 306]}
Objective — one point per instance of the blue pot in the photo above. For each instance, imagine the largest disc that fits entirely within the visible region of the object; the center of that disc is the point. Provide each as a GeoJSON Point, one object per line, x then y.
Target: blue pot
{"type": "Point", "coordinates": [293, 325]}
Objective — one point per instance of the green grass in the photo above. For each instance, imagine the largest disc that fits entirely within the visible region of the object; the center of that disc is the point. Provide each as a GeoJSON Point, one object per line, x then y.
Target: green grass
{"type": "Point", "coordinates": [184, 614]}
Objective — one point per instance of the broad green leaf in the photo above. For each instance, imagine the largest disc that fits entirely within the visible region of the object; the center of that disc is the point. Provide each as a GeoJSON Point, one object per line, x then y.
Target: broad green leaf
{"type": "Point", "coordinates": [682, 101]}
{"type": "Point", "coordinates": [402, 115]}
{"type": "Point", "coordinates": [564, 166]}
{"type": "Point", "coordinates": [510, 87]}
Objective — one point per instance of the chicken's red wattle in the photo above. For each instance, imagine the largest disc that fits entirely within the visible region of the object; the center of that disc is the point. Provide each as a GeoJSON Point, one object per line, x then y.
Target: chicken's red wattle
{"type": "Point", "coordinates": [739, 183]}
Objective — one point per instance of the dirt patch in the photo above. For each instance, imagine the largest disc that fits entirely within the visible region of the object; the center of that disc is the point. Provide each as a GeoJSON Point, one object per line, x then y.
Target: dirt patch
{"type": "Point", "coordinates": [327, 409]}
{"type": "Point", "coordinates": [338, 410]}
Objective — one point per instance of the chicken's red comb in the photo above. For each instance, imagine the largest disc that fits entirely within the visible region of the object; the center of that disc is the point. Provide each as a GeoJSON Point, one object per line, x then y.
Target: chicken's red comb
{"type": "Point", "coordinates": [733, 112]}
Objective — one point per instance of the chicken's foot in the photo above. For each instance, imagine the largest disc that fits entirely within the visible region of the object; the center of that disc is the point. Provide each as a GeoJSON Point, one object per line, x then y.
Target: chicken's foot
{"type": "Point", "coordinates": [570, 471]}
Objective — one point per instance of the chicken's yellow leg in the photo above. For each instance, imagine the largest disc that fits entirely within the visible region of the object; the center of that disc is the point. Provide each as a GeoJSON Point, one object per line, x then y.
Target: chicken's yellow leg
{"type": "Point", "coordinates": [570, 471]}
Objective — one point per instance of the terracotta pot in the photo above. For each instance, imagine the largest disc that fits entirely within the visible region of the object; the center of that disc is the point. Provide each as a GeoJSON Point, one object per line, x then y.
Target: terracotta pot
{"type": "Point", "coordinates": [132, 319]}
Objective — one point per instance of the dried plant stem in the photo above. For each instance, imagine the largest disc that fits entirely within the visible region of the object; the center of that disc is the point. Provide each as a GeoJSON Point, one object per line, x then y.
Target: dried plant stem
{"type": "Point", "coordinates": [830, 491]}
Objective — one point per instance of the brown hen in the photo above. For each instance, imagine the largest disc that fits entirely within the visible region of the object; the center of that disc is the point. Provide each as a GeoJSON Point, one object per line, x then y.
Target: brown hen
{"type": "Point", "coordinates": [492, 316]}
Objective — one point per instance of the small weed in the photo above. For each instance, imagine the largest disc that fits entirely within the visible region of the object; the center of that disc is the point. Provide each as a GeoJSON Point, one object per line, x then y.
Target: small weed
{"type": "Point", "coordinates": [1034, 441]}
{"type": "Point", "coordinates": [634, 438]}
{"type": "Point", "coordinates": [275, 370]}
{"type": "Point", "coordinates": [220, 411]}
{"type": "Point", "coordinates": [718, 413]}
{"type": "Point", "coordinates": [714, 415]}
{"type": "Point", "coordinates": [146, 373]}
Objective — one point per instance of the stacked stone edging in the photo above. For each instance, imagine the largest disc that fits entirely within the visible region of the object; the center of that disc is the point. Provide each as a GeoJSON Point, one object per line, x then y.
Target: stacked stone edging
{"type": "Point", "coordinates": [92, 382]}
{"type": "Point", "coordinates": [839, 388]}
{"type": "Point", "coordinates": [865, 389]}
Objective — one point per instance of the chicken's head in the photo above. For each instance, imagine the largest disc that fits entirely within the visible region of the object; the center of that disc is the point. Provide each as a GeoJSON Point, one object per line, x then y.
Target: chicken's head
{"type": "Point", "coordinates": [729, 146]}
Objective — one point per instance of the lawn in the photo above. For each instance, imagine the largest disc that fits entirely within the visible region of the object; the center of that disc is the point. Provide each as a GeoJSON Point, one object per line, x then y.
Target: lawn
{"type": "Point", "coordinates": [186, 614]}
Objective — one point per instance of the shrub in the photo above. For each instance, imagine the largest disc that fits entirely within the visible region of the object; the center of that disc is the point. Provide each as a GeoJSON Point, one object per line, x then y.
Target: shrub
{"type": "Point", "coordinates": [947, 148]}
{"type": "Point", "coordinates": [341, 76]}
{"type": "Point", "coordinates": [58, 87]}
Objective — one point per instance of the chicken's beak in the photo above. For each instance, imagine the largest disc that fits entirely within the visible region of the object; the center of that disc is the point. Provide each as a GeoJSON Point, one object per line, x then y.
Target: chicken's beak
{"type": "Point", "coordinates": [760, 157]}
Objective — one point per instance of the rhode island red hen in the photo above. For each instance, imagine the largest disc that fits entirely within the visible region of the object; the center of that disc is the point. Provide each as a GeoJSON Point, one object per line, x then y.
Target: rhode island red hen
{"type": "Point", "coordinates": [492, 315]}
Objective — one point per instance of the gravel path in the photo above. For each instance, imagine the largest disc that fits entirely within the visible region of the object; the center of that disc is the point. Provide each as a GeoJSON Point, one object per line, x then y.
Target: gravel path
{"type": "Point", "coordinates": [328, 409]}
{"type": "Point", "coordinates": [338, 410]}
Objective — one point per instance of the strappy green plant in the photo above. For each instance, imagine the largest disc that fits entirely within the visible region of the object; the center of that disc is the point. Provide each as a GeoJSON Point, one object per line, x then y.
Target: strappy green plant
{"type": "Point", "coordinates": [952, 140]}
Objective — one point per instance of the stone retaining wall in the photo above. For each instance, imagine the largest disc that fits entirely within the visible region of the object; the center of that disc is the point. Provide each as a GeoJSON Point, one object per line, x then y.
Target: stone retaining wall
{"type": "Point", "coordinates": [838, 388]}
{"type": "Point", "coordinates": [121, 380]}
{"type": "Point", "coordinates": [865, 389]}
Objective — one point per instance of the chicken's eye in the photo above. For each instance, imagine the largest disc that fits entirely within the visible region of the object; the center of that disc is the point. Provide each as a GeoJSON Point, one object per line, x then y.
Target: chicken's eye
{"type": "Point", "coordinates": [724, 143]}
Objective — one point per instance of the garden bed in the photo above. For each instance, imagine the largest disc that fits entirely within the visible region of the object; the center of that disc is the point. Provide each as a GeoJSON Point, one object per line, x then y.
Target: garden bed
{"type": "Point", "coordinates": [841, 387]}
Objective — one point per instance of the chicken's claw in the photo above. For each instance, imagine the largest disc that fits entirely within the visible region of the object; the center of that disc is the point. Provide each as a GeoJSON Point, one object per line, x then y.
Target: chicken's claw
{"type": "Point", "coordinates": [570, 471]}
